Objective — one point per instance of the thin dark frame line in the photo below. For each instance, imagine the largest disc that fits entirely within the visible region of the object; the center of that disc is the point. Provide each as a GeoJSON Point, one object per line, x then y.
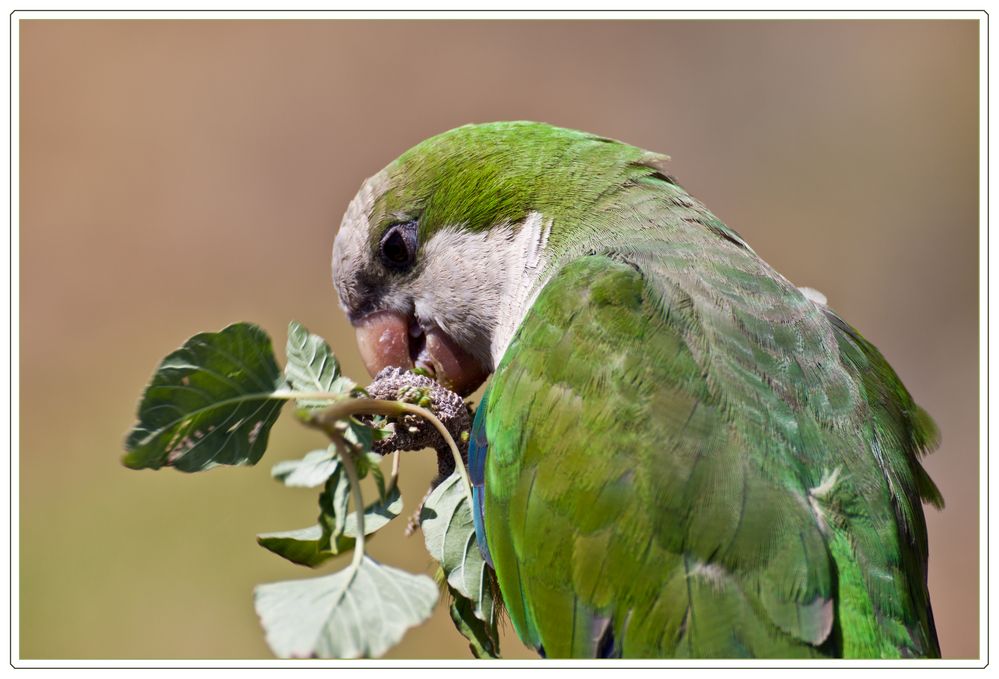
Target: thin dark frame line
{"type": "Point", "coordinates": [542, 663]}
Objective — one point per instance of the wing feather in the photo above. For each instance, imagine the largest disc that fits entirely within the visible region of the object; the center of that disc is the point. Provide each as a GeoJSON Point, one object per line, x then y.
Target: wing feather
{"type": "Point", "coordinates": [657, 452]}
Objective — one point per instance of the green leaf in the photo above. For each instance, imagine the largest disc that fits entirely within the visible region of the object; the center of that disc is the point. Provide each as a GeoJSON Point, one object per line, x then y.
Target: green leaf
{"type": "Point", "coordinates": [334, 502]}
{"type": "Point", "coordinates": [209, 403]}
{"type": "Point", "coordinates": [337, 528]}
{"type": "Point", "coordinates": [381, 427]}
{"type": "Point", "coordinates": [483, 638]}
{"type": "Point", "coordinates": [349, 614]}
{"type": "Point", "coordinates": [309, 472]}
{"type": "Point", "coordinates": [449, 533]}
{"type": "Point", "coordinates": [359, 434]}
{"type": "Point", "coordinates": [376, 515]}
{"type": "Point", "coordinates": [303, 546]}
{"type": "Point", "coordinates": [371, 462]}
{"type": "Point", "coordinates": [313, 367]}
{"type": "Point", "coordinates": [315, 545]}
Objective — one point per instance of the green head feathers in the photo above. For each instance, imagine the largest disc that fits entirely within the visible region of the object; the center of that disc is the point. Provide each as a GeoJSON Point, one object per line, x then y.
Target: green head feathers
{"type": "Point", "coordinates": [479, 176]}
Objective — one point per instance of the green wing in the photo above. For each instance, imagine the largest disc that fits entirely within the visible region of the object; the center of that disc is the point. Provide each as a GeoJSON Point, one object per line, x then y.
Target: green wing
{"type": "Point", "coordinates": [675, 475]}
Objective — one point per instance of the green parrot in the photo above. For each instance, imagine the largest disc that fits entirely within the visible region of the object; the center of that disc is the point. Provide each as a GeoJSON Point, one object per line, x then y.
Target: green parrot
{"type": "Point", "coordinates": [679, 453]}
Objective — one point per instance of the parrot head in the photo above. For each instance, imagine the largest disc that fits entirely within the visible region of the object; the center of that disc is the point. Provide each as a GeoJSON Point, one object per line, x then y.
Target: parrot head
{"type": "Point", "coordinates": [439, 254]}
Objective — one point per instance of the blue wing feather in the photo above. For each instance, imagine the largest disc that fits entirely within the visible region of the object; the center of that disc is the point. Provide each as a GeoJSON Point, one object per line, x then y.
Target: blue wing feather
{"type": "Point", "coordinates": [478, 448]}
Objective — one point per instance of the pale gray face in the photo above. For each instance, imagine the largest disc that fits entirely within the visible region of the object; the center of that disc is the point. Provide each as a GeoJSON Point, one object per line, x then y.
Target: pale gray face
{"type": "Point", "coordinates": [449, 305]}
{"type": "Point", "coordinates": [414, 304]}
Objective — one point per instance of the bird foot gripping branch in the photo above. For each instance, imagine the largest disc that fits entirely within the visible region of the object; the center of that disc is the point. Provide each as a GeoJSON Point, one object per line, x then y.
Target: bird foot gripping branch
{"type": "Point", "coordinates": [213, 401]}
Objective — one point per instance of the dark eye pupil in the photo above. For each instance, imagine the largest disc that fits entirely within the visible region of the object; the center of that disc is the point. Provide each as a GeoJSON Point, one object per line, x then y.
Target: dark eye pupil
{"type": "Point", "coordinates": [398, 246]}
{"type": "Point", "coordinates": [394, 248]}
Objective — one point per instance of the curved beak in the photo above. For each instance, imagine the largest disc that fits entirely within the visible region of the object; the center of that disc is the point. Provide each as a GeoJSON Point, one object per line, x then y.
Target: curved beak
{"type": "Point", "coordinates": [392, 339]}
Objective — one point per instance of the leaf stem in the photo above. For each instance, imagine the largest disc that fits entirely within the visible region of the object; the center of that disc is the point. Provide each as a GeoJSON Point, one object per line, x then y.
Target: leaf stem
{"type": "Point", "coordinates": [459, 464]}
{"type": "Point", "coordinates": [393, 479]}
{"type": "Point", "coordinates": [347, 459]}
{"type": "Point", "coordinates": [291, 394]}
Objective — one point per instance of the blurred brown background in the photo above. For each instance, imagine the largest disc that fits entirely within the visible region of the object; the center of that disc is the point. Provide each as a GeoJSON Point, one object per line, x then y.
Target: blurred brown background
{"type": "Point", "coordinates": [177, 176]}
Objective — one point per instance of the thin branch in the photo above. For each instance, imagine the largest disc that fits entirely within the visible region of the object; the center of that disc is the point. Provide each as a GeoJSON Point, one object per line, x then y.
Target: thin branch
{"type": "Point", "coordinates": [347, 459]}
{"type": "Point", "coordinates": [393, 479]}
{"type": "Point", "coordinates": [348, 407]}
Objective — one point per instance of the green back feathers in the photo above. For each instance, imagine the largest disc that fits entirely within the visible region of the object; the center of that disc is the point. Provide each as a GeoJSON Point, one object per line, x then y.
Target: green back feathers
{"type": "Point", "coordinates": [648, 499]}
{"type": "Point", "coordinates": [622, 506]}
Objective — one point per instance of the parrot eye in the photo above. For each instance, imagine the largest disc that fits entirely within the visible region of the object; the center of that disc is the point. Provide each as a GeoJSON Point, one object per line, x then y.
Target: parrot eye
{"type": "Point", "coordinates": [398, 246]}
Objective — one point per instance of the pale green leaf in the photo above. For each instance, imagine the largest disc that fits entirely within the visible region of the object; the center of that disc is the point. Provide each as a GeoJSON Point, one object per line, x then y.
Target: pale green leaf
{"type": "Point", "coordinates": [483, 637]}
{"type": "Point", "coordinates": [313, 367]}
{"type": "Point", "coordinates": [209, 403]}
{"type": "Point", "coordinates": [377, 514]}
{"type": "Point", "coordinates": [305, 546]}
{"type": "Point", "coordinates": [309, 472]}
{"type": "Point", "coordinates": [337, 528]}
{"type": "Point", "coordinates": [349, 614]}
{"type": "Point", "coordinates": [335, 501]}
{"type": "Point", "coordinates": [371, 462]}
{"type": "Point", "coordinates": [449, 533]}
